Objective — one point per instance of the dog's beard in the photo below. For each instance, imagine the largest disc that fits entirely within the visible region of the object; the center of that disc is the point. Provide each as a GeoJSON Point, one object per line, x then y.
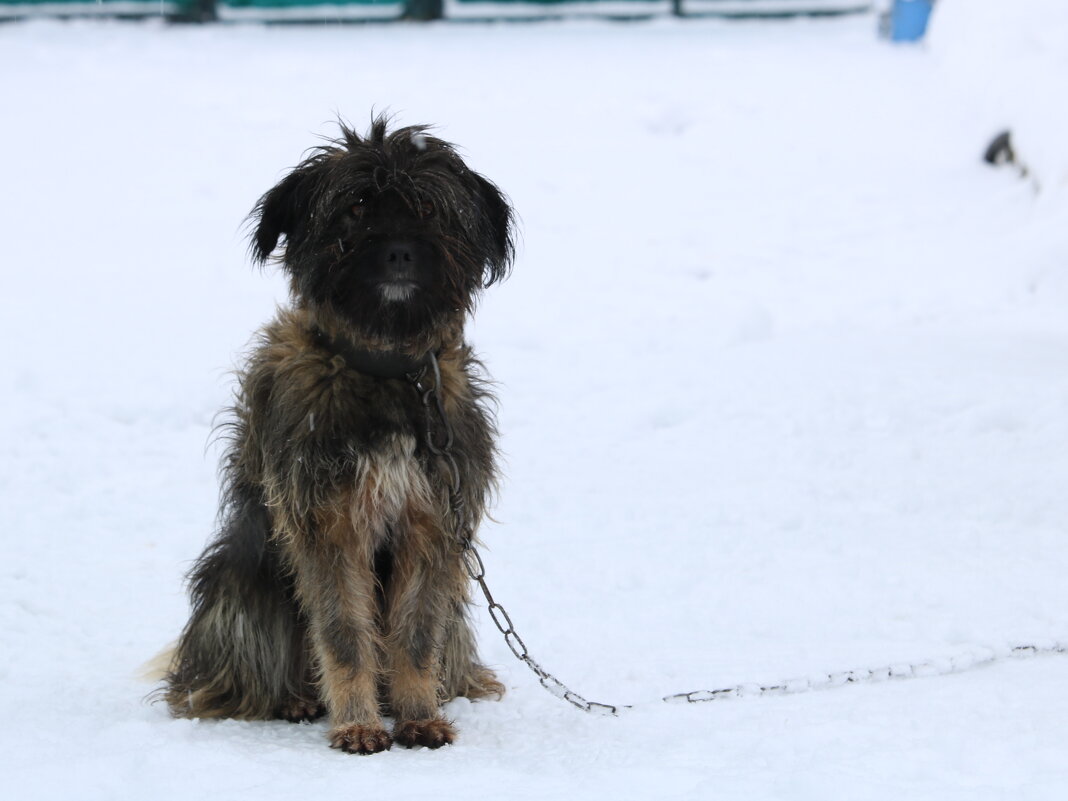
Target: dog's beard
{"type": "Point", "coordinates": [397, 292]}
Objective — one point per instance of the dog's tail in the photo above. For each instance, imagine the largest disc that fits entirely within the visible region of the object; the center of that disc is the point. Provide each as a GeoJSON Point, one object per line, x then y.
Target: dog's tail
{"type": "Point", "coordinates": [155, 670]}
{"type": "Point", "coordinates": [242, 654]}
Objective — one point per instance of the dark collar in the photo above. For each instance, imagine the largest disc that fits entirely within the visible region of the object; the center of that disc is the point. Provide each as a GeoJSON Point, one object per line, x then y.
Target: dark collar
{"type": "Point", "coordinates": [377, 363]}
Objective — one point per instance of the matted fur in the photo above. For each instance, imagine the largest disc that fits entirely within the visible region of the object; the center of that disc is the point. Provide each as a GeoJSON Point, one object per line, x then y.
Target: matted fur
{"type": "Point", "coordinates": [334, 583]}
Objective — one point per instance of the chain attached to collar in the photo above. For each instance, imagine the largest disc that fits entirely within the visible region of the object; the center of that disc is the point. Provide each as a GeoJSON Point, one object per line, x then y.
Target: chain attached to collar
{"type": "Point", "coordinates": [429, 387]}
{"type": "Point", "coordinates": [434, 406]}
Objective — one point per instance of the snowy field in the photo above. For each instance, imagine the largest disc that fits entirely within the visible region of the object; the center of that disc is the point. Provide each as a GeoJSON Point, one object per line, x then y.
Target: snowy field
{"type": "Point", "coordinates": [783, 371]}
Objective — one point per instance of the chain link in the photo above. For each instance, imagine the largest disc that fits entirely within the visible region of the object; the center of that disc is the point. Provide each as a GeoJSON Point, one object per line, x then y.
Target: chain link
{"type": "Point", "coordinates": [476, 571]}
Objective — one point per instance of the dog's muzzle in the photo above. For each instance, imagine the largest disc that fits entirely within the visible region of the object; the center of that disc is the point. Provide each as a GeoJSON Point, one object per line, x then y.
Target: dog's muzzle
{"type": "Point", "coordinates": [402, 265]}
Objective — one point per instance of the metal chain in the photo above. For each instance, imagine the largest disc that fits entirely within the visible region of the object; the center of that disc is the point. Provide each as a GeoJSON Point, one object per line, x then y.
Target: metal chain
{"type": "Point", "coordinates": [476, 571]}
{"type": "Point", "coordinates": [907, 670]}
{"type": "Point", "coordinates": [472, 560]}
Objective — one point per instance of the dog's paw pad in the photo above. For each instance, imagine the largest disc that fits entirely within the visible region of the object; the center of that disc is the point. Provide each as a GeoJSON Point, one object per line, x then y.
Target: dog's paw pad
{"type": "Point", "coordinates": [359, 739]}
{"type": "Point", "coordinates": [432, 733]}
{"type": "Point", "coordinates": [299, 710]}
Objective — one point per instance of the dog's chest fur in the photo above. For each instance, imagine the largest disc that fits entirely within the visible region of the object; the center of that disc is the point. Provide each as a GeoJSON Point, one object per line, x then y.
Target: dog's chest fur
{"type": "Point", "coordinates": [358, 439]}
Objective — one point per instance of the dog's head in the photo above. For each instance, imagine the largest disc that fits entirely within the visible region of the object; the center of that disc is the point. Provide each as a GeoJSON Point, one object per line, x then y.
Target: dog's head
{"type": "Point", "coordinates": [391, 232]}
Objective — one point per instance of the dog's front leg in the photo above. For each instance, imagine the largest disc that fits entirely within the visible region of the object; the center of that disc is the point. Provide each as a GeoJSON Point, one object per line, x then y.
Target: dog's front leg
{"type": "Point", "coordinates": [426, 591]}
{"type": "Point", "coordinates": [336, 586]}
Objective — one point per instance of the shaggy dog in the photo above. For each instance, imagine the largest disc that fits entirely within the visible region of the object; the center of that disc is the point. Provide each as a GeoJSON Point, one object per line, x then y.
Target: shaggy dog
{"type": "Point", "coordinates": [336, 581]}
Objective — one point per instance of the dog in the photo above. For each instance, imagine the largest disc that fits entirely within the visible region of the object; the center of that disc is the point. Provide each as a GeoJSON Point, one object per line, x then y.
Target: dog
{"type": "Point", "coordinates": [335, 583]}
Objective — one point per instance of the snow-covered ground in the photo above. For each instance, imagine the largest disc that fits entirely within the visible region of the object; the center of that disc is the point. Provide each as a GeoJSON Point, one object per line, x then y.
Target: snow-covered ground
{"type": "Point", "coordinates": [783, 377]}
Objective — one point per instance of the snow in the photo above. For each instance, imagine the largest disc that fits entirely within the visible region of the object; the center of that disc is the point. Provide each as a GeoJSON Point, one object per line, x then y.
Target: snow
{"type": "Point", "coordinates": [782, 382]}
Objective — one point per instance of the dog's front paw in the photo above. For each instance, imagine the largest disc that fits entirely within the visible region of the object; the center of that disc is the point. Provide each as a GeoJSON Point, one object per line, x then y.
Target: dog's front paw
{"type": "Point", "coordinates": [431, 732]}
{"type": "Point", "coordinates": [356, 738]}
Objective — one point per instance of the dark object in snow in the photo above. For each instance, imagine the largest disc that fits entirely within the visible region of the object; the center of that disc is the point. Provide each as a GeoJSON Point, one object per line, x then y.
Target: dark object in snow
{"type": "Point", "coordinates": [1000, 151]}
{"type": "Point", "coordinates": [335, 584]}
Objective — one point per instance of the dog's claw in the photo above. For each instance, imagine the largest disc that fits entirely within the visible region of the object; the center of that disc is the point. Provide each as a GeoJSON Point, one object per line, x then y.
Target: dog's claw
{"type": "Point", "coordinates": [299, 710]}
{"type": "Point", "coordinates": [359, 739]}
{"type": "Point", "coordinates": [431, 732]}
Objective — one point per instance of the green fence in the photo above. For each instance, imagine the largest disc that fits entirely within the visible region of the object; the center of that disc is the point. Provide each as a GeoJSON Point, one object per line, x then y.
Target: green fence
{"type": "Point", "coordinates": [308, 10]}
{"type": "Point", "coordinates": [97, 8]}
{"type": "Point", "coordinates": [343, 10]}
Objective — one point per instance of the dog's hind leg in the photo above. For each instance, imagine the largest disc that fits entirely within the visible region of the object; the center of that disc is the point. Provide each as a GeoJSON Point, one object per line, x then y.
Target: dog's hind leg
{"type": "Point", "coordinates": [242, 653]}
{"type": "Point", "coordinates": [304, 705]}
{"type": "Point", "coordinates": [463, 676]}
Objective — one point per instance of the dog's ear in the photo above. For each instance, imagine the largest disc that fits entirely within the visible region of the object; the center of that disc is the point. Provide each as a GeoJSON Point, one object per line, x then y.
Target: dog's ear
{"type": "Point", "coordinates": [282, 210]}
{"type": "Point", "coordinates": [498, 232]}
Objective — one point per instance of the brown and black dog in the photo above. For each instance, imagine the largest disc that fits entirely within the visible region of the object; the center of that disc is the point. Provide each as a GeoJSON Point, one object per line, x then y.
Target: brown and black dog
{"type": "Point", "coordinates": [335, 582]}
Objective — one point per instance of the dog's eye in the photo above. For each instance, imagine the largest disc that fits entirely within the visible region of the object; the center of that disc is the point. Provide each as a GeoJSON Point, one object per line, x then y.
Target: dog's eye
{"type": "Point", "coordinates": [357, 208]}
{"type": "Point", "coordinates": [426, 208]}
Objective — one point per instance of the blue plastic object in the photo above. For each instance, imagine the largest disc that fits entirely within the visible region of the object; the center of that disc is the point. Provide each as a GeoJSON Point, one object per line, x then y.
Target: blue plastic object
{"type": "Point", "coordinates": [908, 19]}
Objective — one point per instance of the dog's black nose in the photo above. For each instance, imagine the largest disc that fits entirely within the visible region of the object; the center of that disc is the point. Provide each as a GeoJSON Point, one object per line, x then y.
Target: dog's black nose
{"type": "Point", "coordinates": [399, 260]}
{"type": "Point", "coordinates": [399, 254]}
